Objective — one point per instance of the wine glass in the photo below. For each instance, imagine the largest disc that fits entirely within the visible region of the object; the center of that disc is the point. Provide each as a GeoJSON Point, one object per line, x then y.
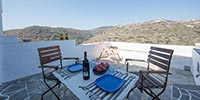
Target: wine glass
{"type": "Point", "coordinates": [93, 64]}
{"type": "Point", "coordinates": [111, 69]}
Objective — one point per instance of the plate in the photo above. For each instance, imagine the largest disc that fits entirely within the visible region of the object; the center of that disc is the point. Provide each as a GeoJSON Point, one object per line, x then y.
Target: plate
{"type": "Point", "coordinates": [75, 67]}
{"type": "Point", "coordinates": [109, 83]}
{"type": "Point", "coordinates": [99, 73]}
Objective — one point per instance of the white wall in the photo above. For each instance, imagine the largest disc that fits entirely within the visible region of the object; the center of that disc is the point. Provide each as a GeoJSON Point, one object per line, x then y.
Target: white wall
{"type": "Point", "coordinates": [196, 59]}
{"type": "Point", "coordinates": [93, 50]}
{"type": "Point", "coordinates": [8, 39]}
{"type": "Point", "coordinates": [21, 59]}
{"type": "Point", "coordinates": [1, 52]}
{"type": "Point", "coordinates": [1, 32]}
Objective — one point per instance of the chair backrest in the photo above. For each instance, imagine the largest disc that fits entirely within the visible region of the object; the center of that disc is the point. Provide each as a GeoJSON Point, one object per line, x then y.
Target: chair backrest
{"type": "Point", "coordinates": [49, 54]}
{"type": "Point", "coordinates": [160, 59]}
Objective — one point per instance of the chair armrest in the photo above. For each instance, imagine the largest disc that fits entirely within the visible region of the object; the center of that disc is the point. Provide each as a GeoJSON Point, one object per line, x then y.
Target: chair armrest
{"type": "Point", "coordinates": [129, 59]}
{"type": "Point", "coordinates": [155, 72]}
{"type": "Point", "coordinates": [55, 67]}
{"type": "Point", "coordinates": [71, 58]}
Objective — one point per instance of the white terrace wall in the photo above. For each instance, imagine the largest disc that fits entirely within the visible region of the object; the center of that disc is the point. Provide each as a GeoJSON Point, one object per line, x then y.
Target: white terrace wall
{"type": "Point", "coordinates": [196, 64]}
{"type": "Point", "coordinates": [21, 59]}
{"type": "Point", "coordinates": [4, 40]}
{"type": "Point", "coordinates": [182, 55]}
{"type": "Point", "coordinates": [1, 51]}
{"type": "Point", "coordinates": [8, 39]}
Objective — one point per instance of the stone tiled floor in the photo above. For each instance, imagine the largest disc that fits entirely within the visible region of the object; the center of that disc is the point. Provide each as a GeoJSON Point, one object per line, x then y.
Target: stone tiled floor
{"type": "Point", "coordinates": [31, 87]}
{"type": "Point", "coordinates": [185, 92]}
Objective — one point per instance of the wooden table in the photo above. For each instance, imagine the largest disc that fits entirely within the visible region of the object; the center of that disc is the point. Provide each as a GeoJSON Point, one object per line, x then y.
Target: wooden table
{"type": "Point", "coordinates": [74, 81]}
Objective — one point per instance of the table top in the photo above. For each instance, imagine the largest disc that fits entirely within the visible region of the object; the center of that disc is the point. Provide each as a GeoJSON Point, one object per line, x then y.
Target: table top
{"type": "Point", "coordinates": [87, 89]}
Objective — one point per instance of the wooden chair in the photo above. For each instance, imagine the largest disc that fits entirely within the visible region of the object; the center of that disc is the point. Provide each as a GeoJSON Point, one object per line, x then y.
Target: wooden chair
{"type": "Point", "coordinates": [159, 58]}
{"type": "Point", "coordinates": [47, 56]}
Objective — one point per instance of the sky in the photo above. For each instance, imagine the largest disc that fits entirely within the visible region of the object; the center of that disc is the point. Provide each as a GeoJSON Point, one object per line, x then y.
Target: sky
{"type": "Point", "coordinates": [89, 14]}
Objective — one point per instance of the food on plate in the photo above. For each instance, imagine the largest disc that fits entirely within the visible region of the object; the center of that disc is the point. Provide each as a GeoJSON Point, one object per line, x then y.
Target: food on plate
{"type": "Point", "coordinates": [101, 67]}
{"type": "Point", "coordinates": [98, 69]}
{"type": "Point", "coordinates": [106, 65]}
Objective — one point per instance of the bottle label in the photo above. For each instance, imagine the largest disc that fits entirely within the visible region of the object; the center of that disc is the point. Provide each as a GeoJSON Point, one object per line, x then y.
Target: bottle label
{"type": "Point", "coordinates": [85, 74]}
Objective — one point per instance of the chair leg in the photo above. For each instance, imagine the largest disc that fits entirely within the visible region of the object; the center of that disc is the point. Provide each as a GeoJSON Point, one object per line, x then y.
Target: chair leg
{"type": "Point", "coordinates": [160, 93]}
{"type": "Point", "coordinates": [51, 89]}
{"type": "Point", "coordinates": [127, 64]}
{"type": "Point", "coordinates": [153, 95]}
{"type": "Point", "coordinates": [59, 84]}
{"type": "Point", "coordinates": [44, 93]}
{"type": "Point", "coordinates": [156, 98]}
{"type": "Point", "coordinates": [130, 91]}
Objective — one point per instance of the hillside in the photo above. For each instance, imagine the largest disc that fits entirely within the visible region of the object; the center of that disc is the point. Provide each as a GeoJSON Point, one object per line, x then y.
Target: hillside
{"type": "Point", "coordinates": [40, 33]}
{"type": "Point", "coordinates": [156, 32]}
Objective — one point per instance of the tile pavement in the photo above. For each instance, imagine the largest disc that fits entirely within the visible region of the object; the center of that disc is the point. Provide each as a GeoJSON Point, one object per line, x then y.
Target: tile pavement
{"type": "Point", "coordinates": [31, 87]}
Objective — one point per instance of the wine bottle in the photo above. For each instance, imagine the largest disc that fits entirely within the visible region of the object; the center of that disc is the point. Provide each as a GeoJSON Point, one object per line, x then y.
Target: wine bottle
{"type": "Point", "coordinates": [86, 67]}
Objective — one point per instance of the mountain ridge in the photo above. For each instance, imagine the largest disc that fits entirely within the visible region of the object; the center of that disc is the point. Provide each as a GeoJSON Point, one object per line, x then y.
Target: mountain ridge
{"type": "Point", "coordinates": [45, 33]}
{"type": "Point", "coordinates": [155, 32]}
{"type": "Point", "coordinates": [159, 31]}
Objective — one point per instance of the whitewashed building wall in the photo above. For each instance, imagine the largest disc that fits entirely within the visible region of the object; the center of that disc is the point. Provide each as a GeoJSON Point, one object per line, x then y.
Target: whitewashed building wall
{"type": "Point", "coordinates": [21, 59]}
{"type": "Point", "coordinates": [1, 32]}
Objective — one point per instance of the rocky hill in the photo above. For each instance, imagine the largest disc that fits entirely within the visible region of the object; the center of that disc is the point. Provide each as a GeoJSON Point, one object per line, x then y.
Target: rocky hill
{"type": "Point", "coordinates": [41, 33]}
{"type": "Point", "coordinates": [156, 31]}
